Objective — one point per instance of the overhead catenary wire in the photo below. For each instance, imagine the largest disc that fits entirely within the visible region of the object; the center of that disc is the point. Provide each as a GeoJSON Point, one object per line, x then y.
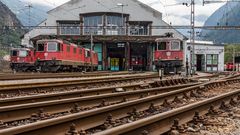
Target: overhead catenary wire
{"type": "Point", "coordinates": [153, 27]}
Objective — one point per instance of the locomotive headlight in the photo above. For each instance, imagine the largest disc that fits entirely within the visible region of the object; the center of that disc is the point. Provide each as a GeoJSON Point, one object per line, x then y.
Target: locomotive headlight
{"type": "Point", "coordinates": [168, 54]}
{"type": "Point", "coordinates": [18, 58]}
{"type": "Point", "coordinates": [45, 54]}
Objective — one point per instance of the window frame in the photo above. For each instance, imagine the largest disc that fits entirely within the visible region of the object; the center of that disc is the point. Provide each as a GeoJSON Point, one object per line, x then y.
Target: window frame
{"type": "Point", "coordinates": [177, 49]}
{"type": "Point", "coordinates": [159, 44]}
{"type": "Point", "coordinates": [37, 48]}
{"type": "Point", "coordinates": [20, 51]}
{"type": "Point", "coordinates": [74, 50]}
{"type": "Point", "coordinates": [57, 47]}
{"type": "Point", "coordinates": [16, 53]}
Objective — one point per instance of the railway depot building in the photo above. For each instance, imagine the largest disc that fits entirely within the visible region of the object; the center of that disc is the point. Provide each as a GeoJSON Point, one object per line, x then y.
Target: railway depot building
{"type": "Point", "coordinates": [124, 33]}
{"type": "Point", "coordinates": [209, 57]}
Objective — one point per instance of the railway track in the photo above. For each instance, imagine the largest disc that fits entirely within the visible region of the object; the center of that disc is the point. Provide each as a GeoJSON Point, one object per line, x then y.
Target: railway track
{"type": "Point", "coordinates": [163, 122]}
{"type": "Point", "coordinates": [60, 95]}
{"type": "Point", "coordinates": [94, 117]}
{"type": "Point", "coordinates": [21, 76]}
{"type": "Point", "coordinates": [30, 88]}
{"type": "Point", "coordinates": [20, 111]}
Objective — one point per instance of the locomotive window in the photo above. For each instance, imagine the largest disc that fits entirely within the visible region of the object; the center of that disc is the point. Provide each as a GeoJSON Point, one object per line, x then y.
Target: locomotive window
{"type": "Point", "coordinates": [87, 53]}
{"type": "Point", "coordinates": [23, 53]}
{"type": "Point", "coordinates": [40, 47]}
{"type": "Point", "coordinates": [175, 45]}
{"type": "Point", "coordinates": [14, 53]}
{"type": "Point", "coordinates": [53, 47]}
{"type": "Point", "coordinates": [68, 48]}
{"type": "Point", "coordinates": [28, 53]}
{"type": "Point", "coordinates": [162, 46]}
{"type": "Point", "coordinates": [80, 51]}
{"type": "Point", "coordinates": [74, 50]}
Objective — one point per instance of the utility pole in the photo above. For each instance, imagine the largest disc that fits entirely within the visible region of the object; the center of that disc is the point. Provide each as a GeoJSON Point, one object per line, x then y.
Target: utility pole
{"type": "Point", "coordinates": [29, 6]}
{"type": "Point", "coordinates": [234, 58]}
{"type": "Point", "coordinates": [91, 56]}
{"type": "Point", "coordinates": [192, 37]}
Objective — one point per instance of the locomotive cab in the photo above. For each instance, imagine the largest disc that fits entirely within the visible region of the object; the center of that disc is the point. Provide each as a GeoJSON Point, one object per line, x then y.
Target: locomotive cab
{"type": "Point", "coordinates": [48, 55]}
{"type": "Point", "coordinates": [21, 59]}
{"type": "Point", "coordinates": [169, 55]}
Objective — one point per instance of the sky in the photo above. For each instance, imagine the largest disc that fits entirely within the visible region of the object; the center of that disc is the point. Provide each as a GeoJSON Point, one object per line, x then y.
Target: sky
{"type": "Point", "coordinates": [173, 11]}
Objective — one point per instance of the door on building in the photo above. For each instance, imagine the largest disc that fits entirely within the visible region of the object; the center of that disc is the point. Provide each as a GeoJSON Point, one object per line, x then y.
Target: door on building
{"type": "Point", "coordinates": [200, 62]}
{"type": "Point", "coordinates": [138, 61]}
{"type": "Point", "coordinates": [116, 57]}
{"type": "Point", "coordinates": [117, 64]}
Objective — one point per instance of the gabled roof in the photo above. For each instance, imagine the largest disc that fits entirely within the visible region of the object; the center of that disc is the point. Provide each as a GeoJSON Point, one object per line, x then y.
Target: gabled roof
{"type": "Point", "coordinates": [137, 1]}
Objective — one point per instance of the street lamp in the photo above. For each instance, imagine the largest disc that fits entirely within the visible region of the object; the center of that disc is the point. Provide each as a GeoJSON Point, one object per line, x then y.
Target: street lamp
{"type": "Point", "coordinates": [122, 5]}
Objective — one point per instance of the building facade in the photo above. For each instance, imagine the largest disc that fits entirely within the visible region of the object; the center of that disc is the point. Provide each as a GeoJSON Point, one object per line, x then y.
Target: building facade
{"type": "Point", "coordinates": [209, 57]}
{"type": "Point", "coordinates": [122, 32]}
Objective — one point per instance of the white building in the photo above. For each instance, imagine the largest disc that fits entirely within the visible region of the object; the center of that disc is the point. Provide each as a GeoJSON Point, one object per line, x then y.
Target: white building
{"type": "Point", "coordinates": [209, 57]}
{"type": "Point", "coordinates": [129, 23]}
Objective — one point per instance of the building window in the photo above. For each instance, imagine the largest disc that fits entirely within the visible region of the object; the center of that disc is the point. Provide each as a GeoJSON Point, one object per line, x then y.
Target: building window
{"type": "Point", "coordinates": [139, 28]}
{"type": "Point", "coordinates": [212, 59]}
{"type": "Point", "coordinates": [93, 25]}
{"type": "Point", "coordinates": [212, 62]}
{"type": "Point", "coordinates": [115, 25]}
{"type": "Point", "coordinates": [69, 29]}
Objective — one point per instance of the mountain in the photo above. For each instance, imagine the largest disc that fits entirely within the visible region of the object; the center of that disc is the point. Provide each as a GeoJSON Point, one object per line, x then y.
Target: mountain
{"type": "Point", "coordinates": [38, 12]}
{"type": "Point", "coordinates": [9, 35]}
{"type": "Point", "coordinates": [227, 15]}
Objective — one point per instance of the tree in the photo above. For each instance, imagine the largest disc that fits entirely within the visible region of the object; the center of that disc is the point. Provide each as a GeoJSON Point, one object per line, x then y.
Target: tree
{"type": "Point", "coordinates": [230, 51]}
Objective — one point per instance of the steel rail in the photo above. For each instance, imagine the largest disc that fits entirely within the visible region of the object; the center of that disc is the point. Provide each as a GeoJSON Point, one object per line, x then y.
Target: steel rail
{"type": "Point", "coordinates": [5, 77]}
{"type": "Point", "coordinates": [91, 118]}
{"type": "Point", "coordinates": [176, 83]}
{"type": "Point", "coordinates": [162, 123]}
{"type": "Point", "coordinates": [22, 111]}
{"type": "Point", "coordinates": [9, 87]}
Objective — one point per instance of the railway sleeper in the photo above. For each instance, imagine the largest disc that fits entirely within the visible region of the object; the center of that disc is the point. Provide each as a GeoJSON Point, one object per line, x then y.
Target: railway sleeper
{"type": "Point", "coordinates": [135, 115]}
{"type": "Point", "coordinates": [198, 119]}
{"type": "Point", "coordinates": [168, 103]}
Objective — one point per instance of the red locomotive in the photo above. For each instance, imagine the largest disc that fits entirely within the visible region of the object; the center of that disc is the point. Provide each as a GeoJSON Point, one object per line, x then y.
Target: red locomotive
{"type": "Point", "coordinates": [58, 55]}
{"type": "Point", "coordinates": [22, 59]}
{"type": "Point", "coordinates": [137, 62]}
{"type": "Point", "coordinates": [169, 55]}
{"type": "Point", "coordinates": [229, 67]}
{"type": "Point", "coordinates": [53, 56]}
